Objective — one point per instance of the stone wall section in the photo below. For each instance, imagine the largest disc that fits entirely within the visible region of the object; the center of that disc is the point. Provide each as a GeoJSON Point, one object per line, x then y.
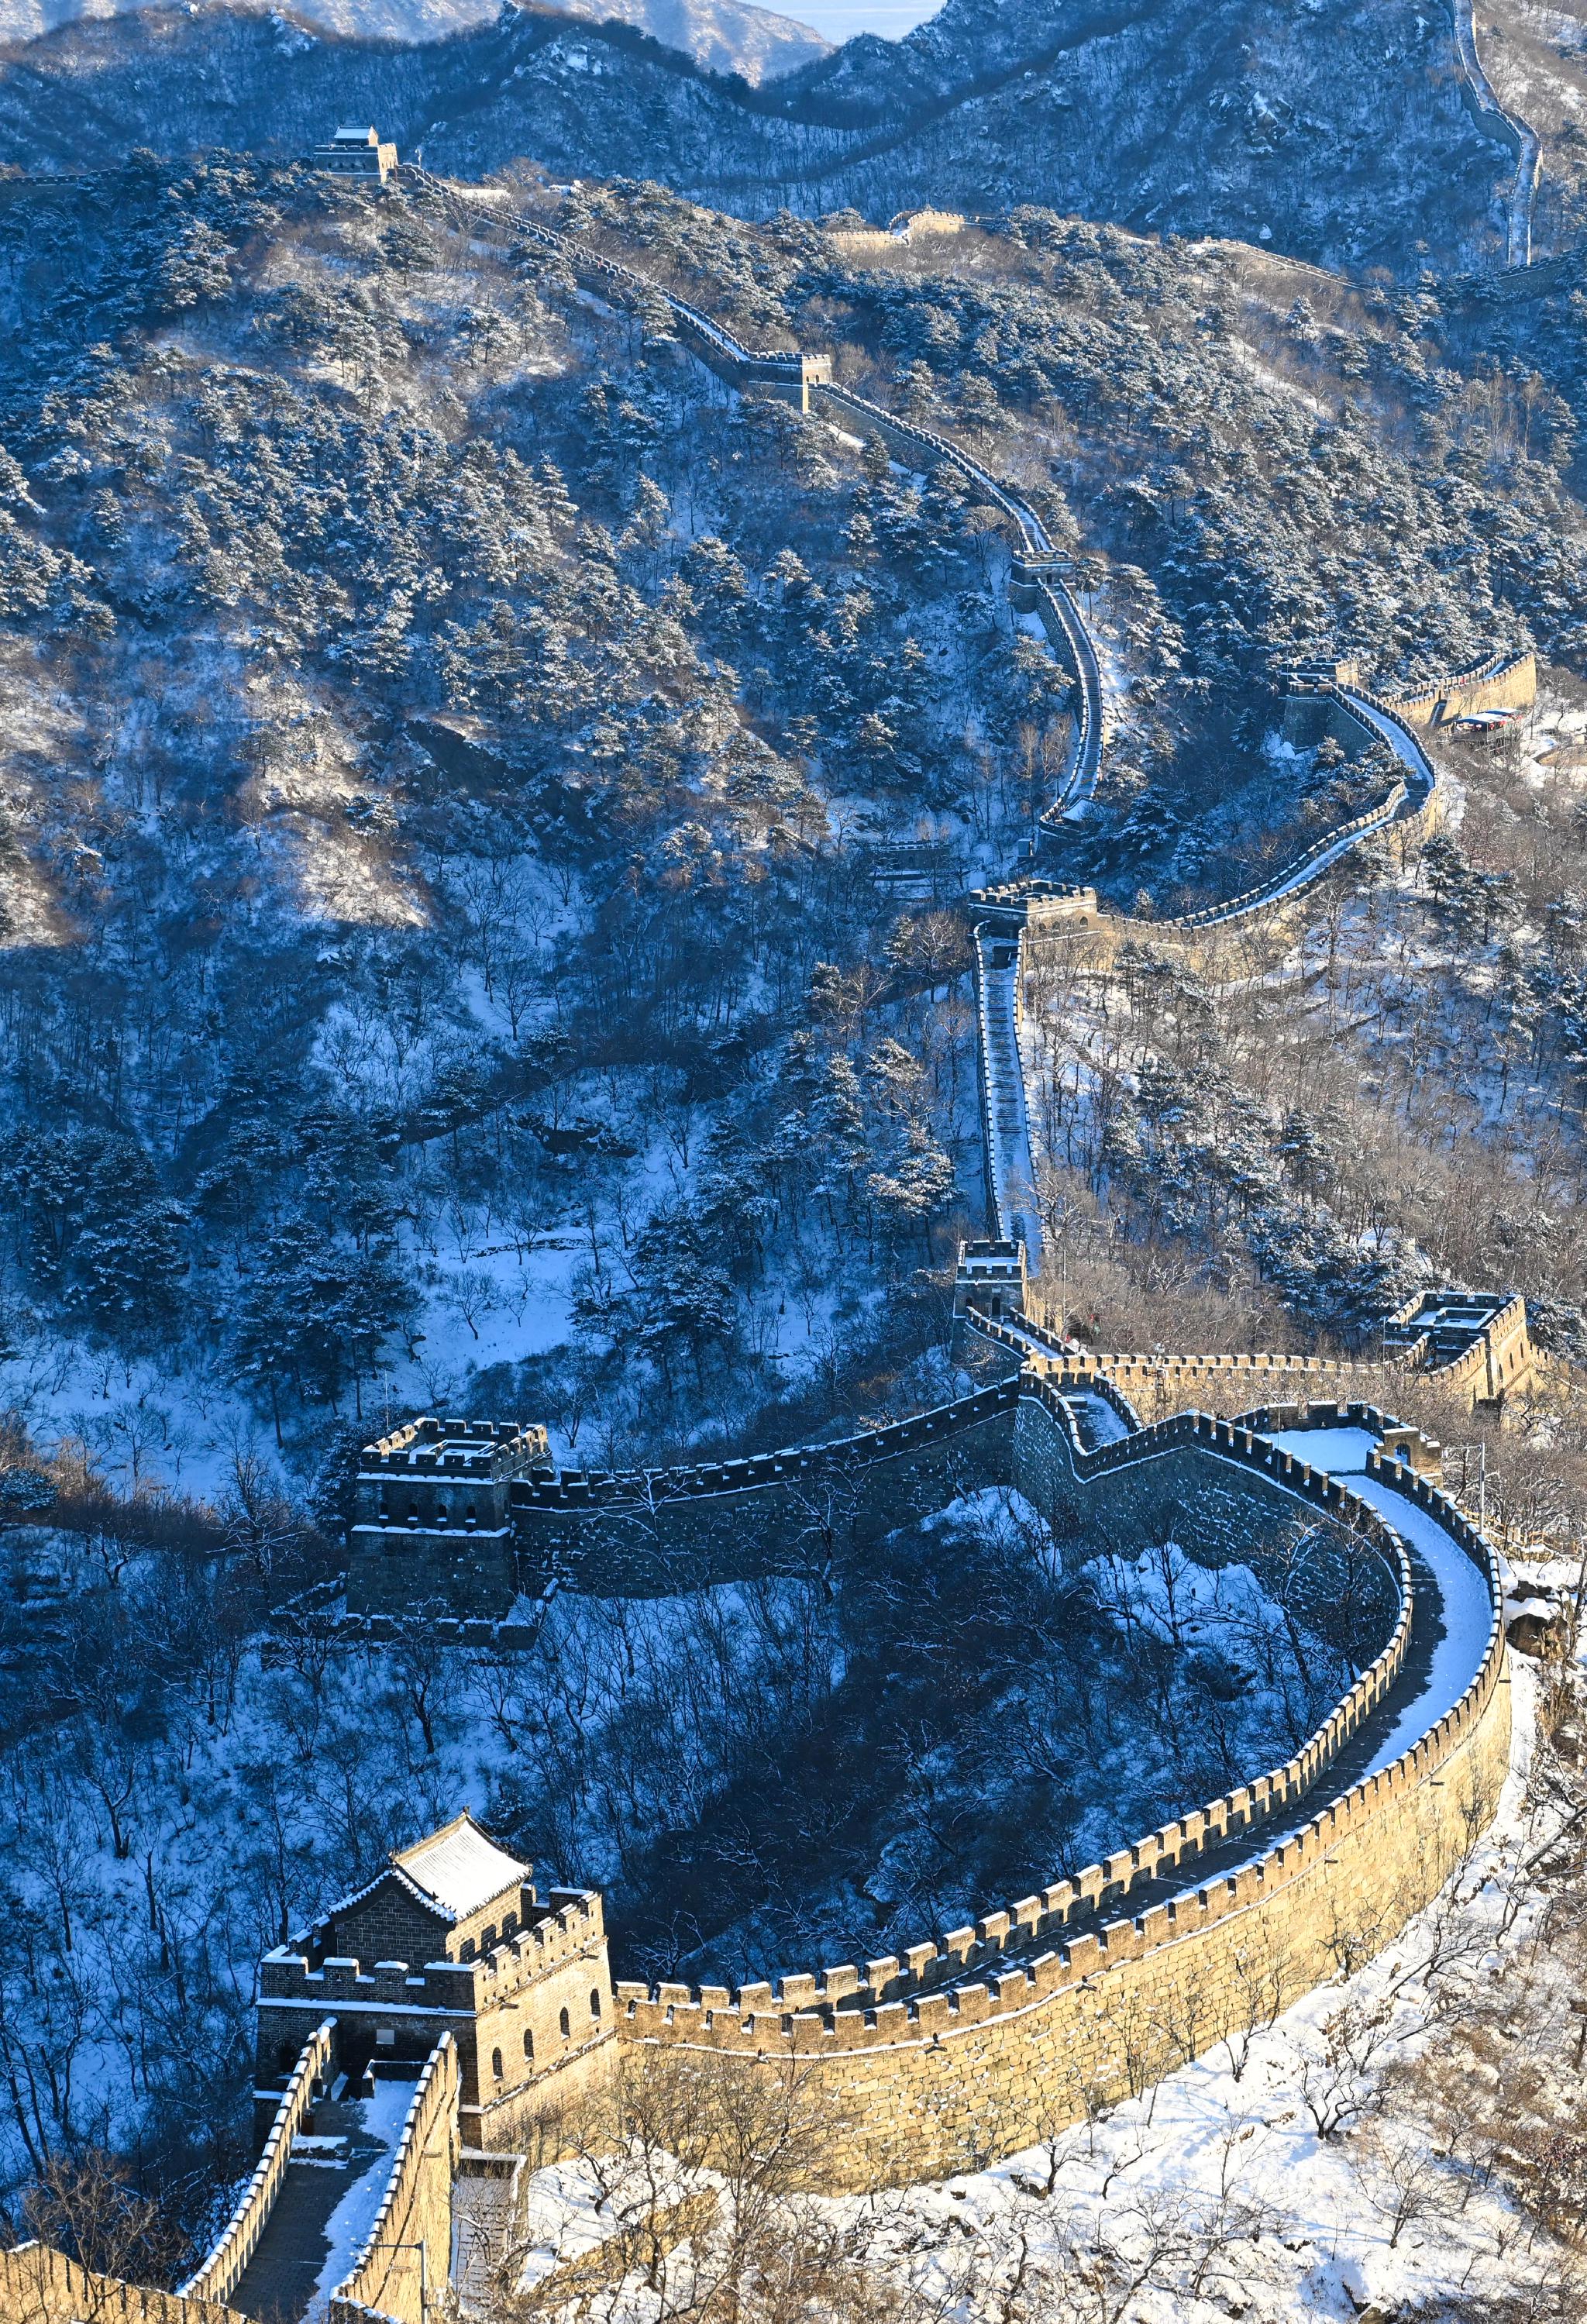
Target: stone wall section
{"type": "Point", "coordinates": [1500, 1361]}
{"type": "Point", "coordinates": [998, 2035]}
{"type": "Point", "coordinates": [41, 2286]}
{"type": "Point", "coordinates": [1504, 682]}
{"type": "Point", "coordinates": [959, 2078]}
{"type": "Point", "coordinates": [667, 1530]}
{"type": "Point", "coordinates": [1495, 120]}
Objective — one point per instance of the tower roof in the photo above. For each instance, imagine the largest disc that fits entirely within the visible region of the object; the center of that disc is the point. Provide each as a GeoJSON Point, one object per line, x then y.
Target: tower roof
{"type": "Point", "coordinates": [459, 1867]}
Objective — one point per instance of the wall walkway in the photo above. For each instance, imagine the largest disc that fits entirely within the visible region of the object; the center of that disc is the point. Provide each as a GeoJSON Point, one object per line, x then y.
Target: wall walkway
{"type": "Point", "coordinates": [1497, 121]}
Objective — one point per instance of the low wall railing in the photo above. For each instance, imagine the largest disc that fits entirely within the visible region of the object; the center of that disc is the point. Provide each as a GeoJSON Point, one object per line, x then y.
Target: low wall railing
{"type": "Point", "coordinates": [414, 2219]}
{"type": "Point", "coordinates": [41, 2286]}
{"type": "Point", "coordinates": [223, 2270]}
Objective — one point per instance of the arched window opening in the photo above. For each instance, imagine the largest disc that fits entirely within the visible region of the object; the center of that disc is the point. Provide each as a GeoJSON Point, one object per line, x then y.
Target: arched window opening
{"type": "Point", "coordinates": [529, 2045]}
{"type": "Point", "coordinates": [594, 2003]}
{"type": "Point", "coordinates": [496, 2064]}
{"type": "Point", "coordinates": [567, 2029]}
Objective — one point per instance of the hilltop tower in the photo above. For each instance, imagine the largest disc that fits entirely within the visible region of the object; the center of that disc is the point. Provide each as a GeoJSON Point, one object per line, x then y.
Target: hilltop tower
{"type": "Point", "coordinates": [358, 153]}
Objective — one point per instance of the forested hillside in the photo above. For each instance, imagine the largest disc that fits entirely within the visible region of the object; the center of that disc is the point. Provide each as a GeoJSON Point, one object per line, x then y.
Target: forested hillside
{"type": "Point", "coordinates": [725, 36]}
{"type": "Point", "coordinates": [445, 733]}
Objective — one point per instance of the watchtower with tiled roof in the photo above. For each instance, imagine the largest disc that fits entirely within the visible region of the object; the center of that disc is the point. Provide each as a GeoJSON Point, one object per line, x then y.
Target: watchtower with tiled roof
{"type": "Point", "coordinates": [450, 1934]}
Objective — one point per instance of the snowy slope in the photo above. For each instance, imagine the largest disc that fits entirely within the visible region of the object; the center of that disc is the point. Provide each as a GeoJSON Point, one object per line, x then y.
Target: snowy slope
{"type": "Point", "coordinates": [1336, 132]}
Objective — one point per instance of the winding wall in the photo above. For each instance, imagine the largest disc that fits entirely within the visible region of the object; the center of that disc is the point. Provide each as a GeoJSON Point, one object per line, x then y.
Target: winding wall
{"type": "Point", "coordinates": [996, 2036]}
{"type": "Point", "coordinates": [1498, 122]}
{"type": "Point", "coordinates": [1036, 579]}
{"type": "Point", "coordinates": [977, 2042]}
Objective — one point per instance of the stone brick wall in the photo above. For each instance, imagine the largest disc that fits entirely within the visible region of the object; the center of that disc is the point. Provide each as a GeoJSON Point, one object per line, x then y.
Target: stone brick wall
{"type": "Point", "coordinates": [546, 2030]}
{"type": "Point", "coordinates": [222, 2272]}
{"type": "Point", "coordinates": [391, 1924]}
{"type": "Point", "coordinates": [689, 1528]}
{"type": "Point", "coordinates": [41, 2286]}
{"type": "Point", "coordinates": [959, 2079]}
{"type": "Point", "coordinates": [976, 2045]}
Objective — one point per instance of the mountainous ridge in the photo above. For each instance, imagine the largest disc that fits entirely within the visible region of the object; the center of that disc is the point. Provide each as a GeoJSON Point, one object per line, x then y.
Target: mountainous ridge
{"type": "Point", "coordinates": [723, 36]}
{"type": "Point", "coordinates": [1345, 135]}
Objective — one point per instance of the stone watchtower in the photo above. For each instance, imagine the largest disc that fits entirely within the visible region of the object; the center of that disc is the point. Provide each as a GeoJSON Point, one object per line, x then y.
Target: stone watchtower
{"type": "Point", "coordinates": [990, 1277]}
{"type": "Point", "coordinates": [450, 1937]}
{"type": "Point", "coordinates": [430, 1520]}
{"type": "Point", "coordinates": [358, 153]}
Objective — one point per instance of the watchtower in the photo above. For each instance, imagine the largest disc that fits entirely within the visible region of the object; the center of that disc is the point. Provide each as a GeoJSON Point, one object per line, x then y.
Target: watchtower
{"type": "Point", "coordinates": [451, 1936]}
{"type": "Point", "coordinates": [991, 1277]}
{"type": "Point", "coordinates": [430, 1519]}
{"type": "Point", "coordinates": [358, 153]}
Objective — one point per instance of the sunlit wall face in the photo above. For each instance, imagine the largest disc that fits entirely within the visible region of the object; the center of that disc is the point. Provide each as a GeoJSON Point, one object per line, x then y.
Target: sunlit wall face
{"type": "Point", "coordinates": [840, 20]}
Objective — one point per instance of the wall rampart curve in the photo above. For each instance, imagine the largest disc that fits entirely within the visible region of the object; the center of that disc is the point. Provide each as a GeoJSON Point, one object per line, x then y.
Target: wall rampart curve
{"type": "Point", "coordinates": [1064, 1904]}
{"type": "Point", "coordinates": [993, 2035]}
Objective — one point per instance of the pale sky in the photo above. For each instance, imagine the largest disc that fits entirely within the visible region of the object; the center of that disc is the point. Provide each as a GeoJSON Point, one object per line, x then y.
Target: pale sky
{"type": "Point", "coordinates": [840, 20]}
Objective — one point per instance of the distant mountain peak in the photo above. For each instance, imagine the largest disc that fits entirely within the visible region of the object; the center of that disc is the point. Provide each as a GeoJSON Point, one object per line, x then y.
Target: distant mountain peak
{"type": "Point", "coordinates": [722, 36]}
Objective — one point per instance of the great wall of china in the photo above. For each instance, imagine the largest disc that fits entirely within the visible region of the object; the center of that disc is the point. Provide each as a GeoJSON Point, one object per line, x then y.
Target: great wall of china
{"type": "Point", "coordinates": [499, 2012]}
{"type": "Point", "coordinates": [1497, 121]}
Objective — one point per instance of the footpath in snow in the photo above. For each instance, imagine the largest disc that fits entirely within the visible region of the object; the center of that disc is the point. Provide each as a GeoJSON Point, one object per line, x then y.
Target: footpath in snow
{"type": "Point", "coordinates": [327, 2209]}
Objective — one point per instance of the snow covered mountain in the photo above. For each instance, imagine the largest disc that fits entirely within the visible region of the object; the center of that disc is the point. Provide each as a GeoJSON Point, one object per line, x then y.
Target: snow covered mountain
{"type": "Point", "coordinates": [1340, 131]}
{"type": "Point", "coordinates": [723, 36]}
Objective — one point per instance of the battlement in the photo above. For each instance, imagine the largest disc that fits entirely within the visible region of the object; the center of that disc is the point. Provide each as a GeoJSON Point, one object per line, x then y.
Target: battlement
{"type": "Point", "coordinates": [568, 1925]}
{"type": "Point", "coordinates": [1016, 904]}
{"type": "Point", "coordinates": [990, 1276]}
{"type": "Point", "coordinates": [998, 1964]}
{"type": "Point", "coordinates": [464, 1449]}
{"type": "Point", "coordinates": [577, 1488]}
{"type": "Point", "coordinates": [566, 1928]}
